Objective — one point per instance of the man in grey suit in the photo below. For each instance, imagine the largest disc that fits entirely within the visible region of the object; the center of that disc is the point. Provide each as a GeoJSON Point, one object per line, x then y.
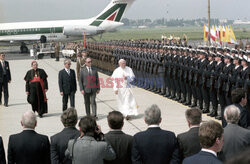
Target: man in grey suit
{"type": "Point", "coordinates": [86, 149]}
{"type": "Point", "coordinates": [89, 86]}
{"type": "Point", "coordinates": [236, 139]}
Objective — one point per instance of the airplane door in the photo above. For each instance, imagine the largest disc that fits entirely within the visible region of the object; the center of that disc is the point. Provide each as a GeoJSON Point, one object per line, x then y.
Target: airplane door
{"type": "Point", "coordinates": [52, 30]}
{"type": "Point", "coordinates": [52, 36]}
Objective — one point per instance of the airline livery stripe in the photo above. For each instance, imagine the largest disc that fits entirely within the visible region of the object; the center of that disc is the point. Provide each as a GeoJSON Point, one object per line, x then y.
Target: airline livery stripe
{"type": "Point", "coordinates": [96, 23]}
{"type": "Point", "coordinates": [28, 31]}
{"type": "Point", "coordinates": [112, 10]}
{"type": "Point", "coordinates": [120, 13]}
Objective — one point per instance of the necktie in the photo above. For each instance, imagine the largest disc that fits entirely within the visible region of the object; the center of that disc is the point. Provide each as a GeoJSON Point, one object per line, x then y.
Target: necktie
{"type": "Point", "coordinates": [4, 70]}
{"type": "Point", "coordinates": [68, 71]}
{"type": "Point", "coordinates": [90, 71]}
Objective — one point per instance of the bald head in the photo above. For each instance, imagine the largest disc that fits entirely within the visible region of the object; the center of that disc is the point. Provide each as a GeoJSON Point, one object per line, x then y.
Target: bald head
{"type": "Point", "coordinates": [122, 63]}
{"type": "Point", "coordinates": [29, 120]}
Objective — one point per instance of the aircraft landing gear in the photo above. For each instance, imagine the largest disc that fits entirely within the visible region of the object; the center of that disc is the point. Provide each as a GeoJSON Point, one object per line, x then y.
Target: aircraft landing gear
{"type": "Point", "coordinates": [24, 48]}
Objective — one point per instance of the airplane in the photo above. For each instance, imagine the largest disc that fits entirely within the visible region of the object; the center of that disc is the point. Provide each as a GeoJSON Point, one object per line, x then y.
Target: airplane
{"type": "Point", "coordinates": [23, 33]}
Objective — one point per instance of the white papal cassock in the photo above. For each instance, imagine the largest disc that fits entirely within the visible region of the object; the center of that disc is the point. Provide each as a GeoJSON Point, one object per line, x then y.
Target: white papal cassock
{"type": "Point", "coordinates": [125, 98]}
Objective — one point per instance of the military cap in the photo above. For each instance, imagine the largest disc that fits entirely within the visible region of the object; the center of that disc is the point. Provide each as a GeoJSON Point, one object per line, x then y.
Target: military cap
{"type": "Point", "coordinates": [218, 54]}
{"type": "Point", "coordinates": [219, 49]}
{"type": "Point", "coordinates": [84, 50]}
{"type": "Point", "coordinates": [193, 51]}
{"type": "Point", "coordinates": [245, 58]}
{"type": "Point", "coordinates": [228, 56]}
{"type": "Point", "coordinates": [242, 51]}
{"type": "Point", "coordinates": [233, 50]}
{"type": "Point", "coordinates": [212, 54]}
{"type": "Point", "coordinates": [227, 49]}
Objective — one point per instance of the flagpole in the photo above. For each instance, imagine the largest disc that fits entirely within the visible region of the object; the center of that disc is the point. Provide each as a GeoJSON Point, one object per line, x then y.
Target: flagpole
{"type": "Point", "coordinates": [209, 23]}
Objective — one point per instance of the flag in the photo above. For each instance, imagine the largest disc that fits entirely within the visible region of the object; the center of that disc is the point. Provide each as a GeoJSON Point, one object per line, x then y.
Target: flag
{"type": "Point", "coordinates": [227, 35]}
{"type": "Point", "coordinates": [222, 34]}
{"type": "Point", "coordinates": [213, 34]}
{"type": "Point", "coordinates": [233, 38]}
{"type": "Point", "coordinates": [205, 33]}
{"type": "Point", "coordinates": [230, 35]}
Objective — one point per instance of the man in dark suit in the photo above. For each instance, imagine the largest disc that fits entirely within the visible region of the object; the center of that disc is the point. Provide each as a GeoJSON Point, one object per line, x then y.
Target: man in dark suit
{"type": "Point", "coordinates": [67, 84]}
{"type": "Point", "coordinates": [59, 141]}
{"type": "Point", "coordinates": [234, 144]}
{"type": "Point", "coordinates": [2, 153]}
{"type": "Point", "coordinates": [89, 86]}
{"type": "Point", "coordinates": [239, 98]}
{"type": "Point", "coordinates": [28, 146]}
{"type": "Point", "coordinates": [120, 142]}
{"type": "Point", "coordinates": [189, 143]}
{"type": "Point", "coordinates": [5, 78]}
{"type": "Point", "coordinates": [211, 140]}
{"type": "Point", "coordinates": [154, 145]}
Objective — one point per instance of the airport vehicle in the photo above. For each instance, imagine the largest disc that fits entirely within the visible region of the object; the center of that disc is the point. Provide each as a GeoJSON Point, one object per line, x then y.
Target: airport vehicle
{"type": "Point", "coordinates": [23, 33]}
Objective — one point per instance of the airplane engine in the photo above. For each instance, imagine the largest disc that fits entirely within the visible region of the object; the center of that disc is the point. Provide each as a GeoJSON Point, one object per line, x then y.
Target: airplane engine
{"type": "Point", "coordinates": [78, 30]}
{"type": "Point", "coordinates": [43, 39]}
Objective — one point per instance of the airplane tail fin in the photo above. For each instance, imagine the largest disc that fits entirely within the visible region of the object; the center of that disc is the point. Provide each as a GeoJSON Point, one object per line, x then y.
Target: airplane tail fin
{"type": "Point", "coordinates": [113, 12]}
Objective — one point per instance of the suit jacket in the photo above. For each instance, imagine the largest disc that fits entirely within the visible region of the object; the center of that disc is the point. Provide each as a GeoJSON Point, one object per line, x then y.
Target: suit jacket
{"type": "Point", "coordinates": [232, 143]}
{"type": "Point", "coordinates": [2, 153]}
{"type": "Point", "coordinates": [67, 82]}
{"type": "Point", "coordinates": [59, 143]}
{"type": "Point", "coordinates": [244, 117]}
{"type": "Point", "coordinates": [122, 145]}
{"type": "Point", "coordinates": [7, 68]}
{"type": "Point", "coordinates": [217, 71]}
{"type": "Point", "coordinates": [208, 73]}
{"type": "Point", "coordinates": [155, 146]}
{"type": "Point", "coordinates": [189, 143]}
{"type": "Point", "coordinates": [28, 147]}
{"type": "Point", "coordinates": [202, 158]}
{"type": "Point", "coordinates": [90, 151]}
{"type": "Point", "coordinates": [89, 83]}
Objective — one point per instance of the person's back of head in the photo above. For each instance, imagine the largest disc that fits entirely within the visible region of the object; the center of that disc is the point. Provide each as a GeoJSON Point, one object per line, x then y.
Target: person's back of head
{"type": "Point", "coordinates": [211, 135]}
{"type": "Point", "coordinates": [69, 117]}
{"type": "Point", "coordinates": [232, 114]}
{"type": "Point", "coordinates": [153, 115]}
{"type": "Point", "coordinates": [88, 126]}
{"type": "Point", "coordinates": [115, 120]}
{"type": "Point", "coordinates": [29, 120]}
{"type": "Point", "coordinates": [193, 116]}
{"type": "Point", "coordinates": [238, 96]}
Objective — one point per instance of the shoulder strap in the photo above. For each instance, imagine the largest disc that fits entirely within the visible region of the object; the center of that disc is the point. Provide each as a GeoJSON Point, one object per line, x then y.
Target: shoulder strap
{"type": "Point", "coordinates": [72, 150]}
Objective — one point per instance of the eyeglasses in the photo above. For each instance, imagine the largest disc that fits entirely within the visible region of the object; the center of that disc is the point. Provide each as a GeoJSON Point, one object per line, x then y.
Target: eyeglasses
{"type": "Point", "coordinates": [89, 62]}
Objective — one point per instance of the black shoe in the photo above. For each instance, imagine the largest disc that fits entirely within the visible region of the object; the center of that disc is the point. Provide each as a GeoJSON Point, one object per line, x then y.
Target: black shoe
{"type": "Point", "coordinates": [6, 105]}
{"type": "Point", "coordinates": [193, 105]}
{"type": "Point", "coordinates": [40, 115]}
{"type": "Point", "coordinates": [218, 117]}
{"type": "Point", "coordinates": [205, 111]}
{"type": "Point", "coordinates": [212, 114]}
{"type": "Point", "coordinates": [166, 95]}
{"type": "Point", "coordinates": [187, 103]}
{"type": "Point", "coordinates": [128, 118]}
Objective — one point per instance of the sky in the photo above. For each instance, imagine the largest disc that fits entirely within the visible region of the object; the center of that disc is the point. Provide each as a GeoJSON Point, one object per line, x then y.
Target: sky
{"type": "Point", "coordinates": [39, 10]}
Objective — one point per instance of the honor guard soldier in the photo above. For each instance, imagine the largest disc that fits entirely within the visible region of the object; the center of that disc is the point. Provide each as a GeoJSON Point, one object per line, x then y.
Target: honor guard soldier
{"type": "Point", "coordinates": [81, 63]}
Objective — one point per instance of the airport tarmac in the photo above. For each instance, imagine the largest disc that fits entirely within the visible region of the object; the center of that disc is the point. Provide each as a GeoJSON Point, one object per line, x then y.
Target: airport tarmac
{"type": "Point", "coordinates": [173, 113]}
